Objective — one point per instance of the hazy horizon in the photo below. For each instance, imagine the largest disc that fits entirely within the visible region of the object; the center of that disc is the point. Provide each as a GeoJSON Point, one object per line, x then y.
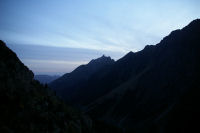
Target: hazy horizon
{"type": "Point", "coordinates": [54, 37]}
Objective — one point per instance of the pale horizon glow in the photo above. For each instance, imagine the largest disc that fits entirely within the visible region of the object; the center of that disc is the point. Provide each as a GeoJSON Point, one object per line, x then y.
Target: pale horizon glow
{"type": "Point", "coordinates": [52, 66]}
{"type": "Point", "coordinates": [114, 27]}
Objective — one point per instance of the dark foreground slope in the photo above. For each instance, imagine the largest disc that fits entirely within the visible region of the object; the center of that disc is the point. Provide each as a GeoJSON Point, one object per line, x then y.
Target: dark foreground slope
{"type": "Point", "coordinates": [162, 92]}
{"type": "Point", "coordinates": [28, 107]}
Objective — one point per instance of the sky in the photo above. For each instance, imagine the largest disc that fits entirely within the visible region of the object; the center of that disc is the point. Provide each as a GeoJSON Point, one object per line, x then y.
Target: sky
{"type": "Point", "coordinates": [55, 36]}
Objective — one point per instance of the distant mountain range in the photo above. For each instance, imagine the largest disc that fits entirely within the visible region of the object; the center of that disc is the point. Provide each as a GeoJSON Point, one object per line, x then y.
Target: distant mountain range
{"type": "Point", "coordinates": [45, 79]}
{"type": "Point", "coordinates": [155, 90]}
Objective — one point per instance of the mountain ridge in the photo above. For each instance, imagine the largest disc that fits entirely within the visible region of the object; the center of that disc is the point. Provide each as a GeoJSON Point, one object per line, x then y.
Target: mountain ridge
{"type": "Point", "coordinates": [173, 69]}
{"type": "Point", "coordinates": [154, 79]}
{"type": "Point", "coordinates": [78, 77]}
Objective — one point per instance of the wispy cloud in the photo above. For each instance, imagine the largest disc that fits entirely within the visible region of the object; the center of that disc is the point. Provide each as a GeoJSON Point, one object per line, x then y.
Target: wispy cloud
{"type": "Point", "coordinates": [57, 60]}
{"type": "Point", "coordinates": [52, 67]}
{"type": "Point", "coordinates": [111, 27]}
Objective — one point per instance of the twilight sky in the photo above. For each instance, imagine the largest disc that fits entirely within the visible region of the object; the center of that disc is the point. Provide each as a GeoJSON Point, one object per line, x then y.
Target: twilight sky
{"type": "Point", "coordinates": [55, 36]}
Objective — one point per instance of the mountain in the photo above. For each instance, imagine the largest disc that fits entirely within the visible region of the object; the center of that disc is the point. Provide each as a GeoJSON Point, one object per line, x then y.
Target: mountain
{"type": "Point", "coordinates": [70, 84]}
{"type": "Point", "coordinates": [161, 88]}
{"type": "Point", "coordinates": [154, 90]}
{"type": "Point", "coordinates": [29, 107]}
{"type": "Point", "coordinates": [45, 79]}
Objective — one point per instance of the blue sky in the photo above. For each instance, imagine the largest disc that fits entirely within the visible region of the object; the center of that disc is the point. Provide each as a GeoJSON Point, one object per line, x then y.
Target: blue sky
{"type": "Point", "coordinates": [55, 36]}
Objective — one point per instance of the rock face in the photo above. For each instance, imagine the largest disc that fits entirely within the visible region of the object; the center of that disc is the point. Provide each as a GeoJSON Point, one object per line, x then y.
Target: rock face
{"type": "Point", "coordinates": [27, 106]}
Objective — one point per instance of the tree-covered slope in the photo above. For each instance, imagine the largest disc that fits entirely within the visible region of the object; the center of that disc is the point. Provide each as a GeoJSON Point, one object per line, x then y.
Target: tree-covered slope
{"type": "Point", "coordinates": [29, 107]}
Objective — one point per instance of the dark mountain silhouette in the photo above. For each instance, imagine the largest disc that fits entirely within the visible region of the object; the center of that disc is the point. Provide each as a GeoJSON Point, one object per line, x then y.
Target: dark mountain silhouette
{"type": "Point", "coordinates": [45, 79]}
{"type": "Point", "coordinates": [153, 90]}
{"type": "Point", "coordinates": [27, 106]}
{"type": "Point", "coordinates": [161, 92]}
{"type": "Point", "coordinates": [69, 84]}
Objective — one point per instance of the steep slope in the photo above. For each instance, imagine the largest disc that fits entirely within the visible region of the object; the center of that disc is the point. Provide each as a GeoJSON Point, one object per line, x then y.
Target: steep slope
{"type": "Point", "coordinates": [107, 79]}
{"type": "Point", "coordinates": [27, 106]}
{"type": "Point", "coordinates": [153, 90]}
{"type": "Point", "coordinates": [70, 84]}
{"type": "Point", "coordinates": [45, 79]}
{"type": "Point", "coordinates": [152, 97]}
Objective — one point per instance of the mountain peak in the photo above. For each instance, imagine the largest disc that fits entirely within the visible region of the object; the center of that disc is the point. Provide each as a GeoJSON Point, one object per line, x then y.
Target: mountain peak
{"type": "Point", "coordinates": [194, 22]}
{"type": "Point", "coordinates": [80, 74]}
{"type": "Point", "coordinates": [102, 59]}
{"type": "Point", "coordinates": [128, 55]}
{"type": "Point", "coordinates": [103, 56]}
{"type": "Point", "coordinates": [193, 26]}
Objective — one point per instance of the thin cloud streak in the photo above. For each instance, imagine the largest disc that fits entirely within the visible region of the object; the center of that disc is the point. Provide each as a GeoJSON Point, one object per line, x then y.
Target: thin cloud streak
{"type": "Point", "coordinates": [104, 27]}
{"type": "Point", "coordinates": [52, 67]}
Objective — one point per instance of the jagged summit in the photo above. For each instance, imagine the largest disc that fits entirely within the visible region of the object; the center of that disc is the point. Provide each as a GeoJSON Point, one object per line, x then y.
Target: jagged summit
{"type": "Point", "coordinates": [102, 59]}
{"type": "Point", "coordinates": [79, 77]}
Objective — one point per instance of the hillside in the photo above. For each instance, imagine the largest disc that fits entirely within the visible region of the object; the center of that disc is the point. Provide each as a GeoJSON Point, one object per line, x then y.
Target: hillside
{"type": "Point", "coordinates": [150, 90]}
{"type": "Point", "coordinates": [27, 106]}
{"type": "Point", "coordinates": [163, 86]}
{"type": "Point", "coordinates": [69, 85]}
